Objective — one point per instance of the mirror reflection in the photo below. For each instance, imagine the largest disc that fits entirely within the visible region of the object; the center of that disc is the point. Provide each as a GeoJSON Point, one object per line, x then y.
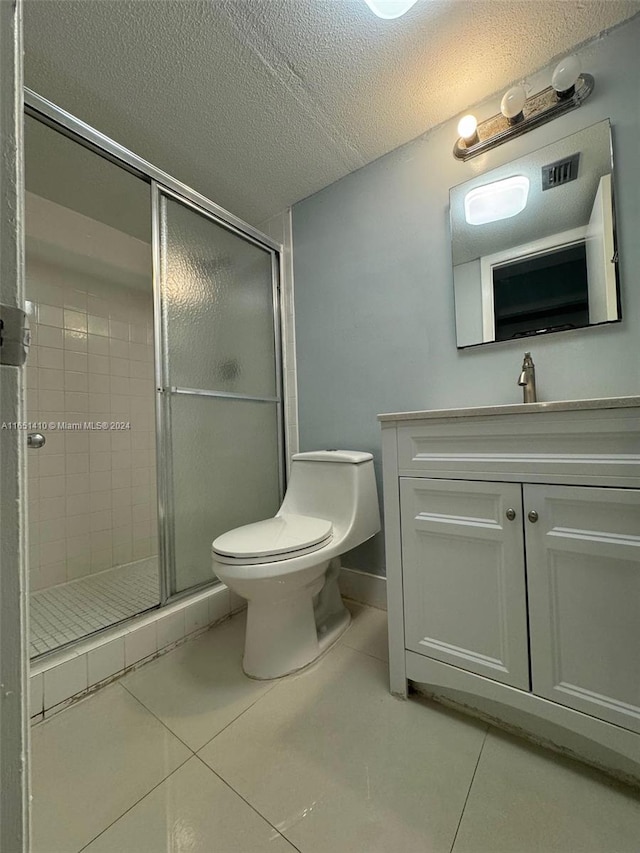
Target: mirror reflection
{"type": "Point", "coordinates": [533, 243]}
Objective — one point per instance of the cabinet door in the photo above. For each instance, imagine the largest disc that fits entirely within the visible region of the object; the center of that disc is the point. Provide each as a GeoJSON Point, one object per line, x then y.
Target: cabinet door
{"type": "Point", "coordinates": [583, 569]}
{"type": "Point", "coordinates": [463, 574]}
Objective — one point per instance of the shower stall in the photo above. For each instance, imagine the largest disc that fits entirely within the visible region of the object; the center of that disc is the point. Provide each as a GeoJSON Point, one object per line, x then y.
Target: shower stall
{"type": "Point", "coordinates": [154, 382]}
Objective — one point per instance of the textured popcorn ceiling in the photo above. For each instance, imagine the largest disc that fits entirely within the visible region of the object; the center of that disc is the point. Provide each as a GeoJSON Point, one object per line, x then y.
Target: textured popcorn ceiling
{"type": "Point", "coordinates": [259, 103]}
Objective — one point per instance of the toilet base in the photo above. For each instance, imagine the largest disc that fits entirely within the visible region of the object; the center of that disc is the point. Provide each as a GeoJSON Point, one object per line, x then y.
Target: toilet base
{"type": "Point", "coordinates": [286, 635]}
{"type": "Point", "coordinates": [333, 632]}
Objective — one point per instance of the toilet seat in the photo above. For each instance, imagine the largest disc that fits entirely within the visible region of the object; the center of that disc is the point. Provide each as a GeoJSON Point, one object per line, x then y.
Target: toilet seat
{"type": "Point", "coordinates": [274, 539]}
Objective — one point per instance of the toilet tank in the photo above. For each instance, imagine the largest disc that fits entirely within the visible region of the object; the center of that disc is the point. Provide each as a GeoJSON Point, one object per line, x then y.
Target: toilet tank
{"type": "Point", "coordinates": [338, 485]}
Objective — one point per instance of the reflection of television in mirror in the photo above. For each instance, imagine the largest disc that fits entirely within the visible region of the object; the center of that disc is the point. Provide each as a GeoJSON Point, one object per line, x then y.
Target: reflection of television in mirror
{"type": "Point", "coordinates": [541, 293]}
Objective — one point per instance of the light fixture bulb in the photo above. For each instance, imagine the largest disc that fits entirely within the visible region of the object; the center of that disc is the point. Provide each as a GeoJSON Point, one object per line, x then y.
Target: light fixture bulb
{"type": "Point", "coordinates": [512, 103]}
{"type": "Point", "coordinates": [495, 201]}
{"type": "Point", "coordinates": [566, 75]}
{"type": "Point", "coordinates": [467, 127]}
{"type": "Point", "coordinates": [390, 8]}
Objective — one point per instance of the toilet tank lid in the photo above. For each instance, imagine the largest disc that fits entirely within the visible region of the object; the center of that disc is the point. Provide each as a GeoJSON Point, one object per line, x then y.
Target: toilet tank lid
{"type": "Point", "coordinates": [353, 457]}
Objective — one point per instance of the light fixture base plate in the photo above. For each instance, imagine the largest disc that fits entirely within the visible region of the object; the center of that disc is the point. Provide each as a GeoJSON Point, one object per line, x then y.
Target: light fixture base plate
{"type": "Point", "coordinates": [538, 109]}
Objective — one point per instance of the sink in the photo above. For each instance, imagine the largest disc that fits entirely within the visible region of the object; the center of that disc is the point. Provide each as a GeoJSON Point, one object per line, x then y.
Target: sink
{"type": "Point", "coordinates": [516, 408]}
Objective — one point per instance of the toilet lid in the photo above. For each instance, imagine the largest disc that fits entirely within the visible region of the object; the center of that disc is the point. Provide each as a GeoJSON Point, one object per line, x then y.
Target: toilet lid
{"type": "Point", "coordinates": [280, 535]}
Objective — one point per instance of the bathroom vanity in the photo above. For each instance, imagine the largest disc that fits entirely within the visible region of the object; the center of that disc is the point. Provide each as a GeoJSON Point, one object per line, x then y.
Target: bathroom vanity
{"type": "Point", "coordinates": [513, 566]}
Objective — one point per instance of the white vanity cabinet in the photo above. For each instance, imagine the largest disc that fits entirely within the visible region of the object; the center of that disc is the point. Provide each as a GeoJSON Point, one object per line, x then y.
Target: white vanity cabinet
{"type": "Point", "coordinates": [583, 570]}
{"type": "Point", "coordinates": [464, 575]}
{"type": "Point", "coordinates": [513, 560]}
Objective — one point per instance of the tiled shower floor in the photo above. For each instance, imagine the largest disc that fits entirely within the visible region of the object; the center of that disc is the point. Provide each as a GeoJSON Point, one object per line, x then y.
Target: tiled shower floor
{"type": "Point", "coordinates": [69, 611]}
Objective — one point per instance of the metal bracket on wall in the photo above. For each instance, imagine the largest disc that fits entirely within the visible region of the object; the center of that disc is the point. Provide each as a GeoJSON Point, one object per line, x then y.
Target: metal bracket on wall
{"type": "Point", "coordinates": [15, 336]}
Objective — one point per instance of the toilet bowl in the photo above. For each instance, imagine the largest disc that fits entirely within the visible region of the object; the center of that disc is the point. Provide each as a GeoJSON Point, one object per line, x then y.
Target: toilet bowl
{"type": "Point", "coordinates": [287, 567]}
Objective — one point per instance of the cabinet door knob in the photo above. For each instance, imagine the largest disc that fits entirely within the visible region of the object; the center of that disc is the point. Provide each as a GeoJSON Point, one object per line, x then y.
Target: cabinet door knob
{"type": "Point", "coordinates": [511, 514]}
{"type": "Point", "coordinates": [532, 516]}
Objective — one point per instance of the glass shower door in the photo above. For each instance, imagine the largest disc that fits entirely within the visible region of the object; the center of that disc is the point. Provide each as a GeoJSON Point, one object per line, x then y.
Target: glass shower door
{"type": "Point", "coordinates": [219, 384]}
{"type": "Point", "coordinates": [93, 548]}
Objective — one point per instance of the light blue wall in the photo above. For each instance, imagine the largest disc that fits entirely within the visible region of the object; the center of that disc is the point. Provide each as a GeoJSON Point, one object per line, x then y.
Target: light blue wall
{"type": "Point", "coordinates": [373, 282]}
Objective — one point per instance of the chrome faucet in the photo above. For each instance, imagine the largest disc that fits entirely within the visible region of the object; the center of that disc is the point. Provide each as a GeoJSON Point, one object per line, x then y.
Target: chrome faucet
{"type": "Point", "coordinates": [528, 379]}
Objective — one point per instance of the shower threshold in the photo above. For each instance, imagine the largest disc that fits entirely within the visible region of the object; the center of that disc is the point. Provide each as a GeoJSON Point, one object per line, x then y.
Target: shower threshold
{"type": "Point", "coordinates": [69, 611]}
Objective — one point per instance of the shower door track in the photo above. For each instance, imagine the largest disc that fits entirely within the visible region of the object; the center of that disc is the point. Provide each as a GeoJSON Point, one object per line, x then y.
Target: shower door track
{"type": "Point", "coordinates": [164, 184]}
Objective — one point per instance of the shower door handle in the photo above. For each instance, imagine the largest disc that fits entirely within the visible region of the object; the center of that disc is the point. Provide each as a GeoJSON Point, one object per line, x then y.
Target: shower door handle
{"type": "Point", "coordinates": [36, 440]}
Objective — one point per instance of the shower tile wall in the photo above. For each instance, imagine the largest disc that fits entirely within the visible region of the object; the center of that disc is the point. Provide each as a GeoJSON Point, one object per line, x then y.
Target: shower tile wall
{"type": "Point", "coordinates": [91, 493]}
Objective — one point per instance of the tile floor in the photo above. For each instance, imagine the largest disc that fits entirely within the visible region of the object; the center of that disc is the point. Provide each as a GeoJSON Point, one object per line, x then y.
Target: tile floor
{"type": "Point", "coordinates": [187, 755]}
{"type": "Point", "coordinates": [64, 613]}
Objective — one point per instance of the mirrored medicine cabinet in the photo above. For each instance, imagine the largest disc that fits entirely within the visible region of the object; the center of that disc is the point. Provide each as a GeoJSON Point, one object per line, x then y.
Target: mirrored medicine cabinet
{"type": "Point", "coordinates": [534, 243]}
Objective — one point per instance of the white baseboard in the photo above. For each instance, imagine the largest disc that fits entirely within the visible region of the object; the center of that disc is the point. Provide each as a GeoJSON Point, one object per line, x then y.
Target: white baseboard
{"type": "Point", "coordinates": [363, 587]}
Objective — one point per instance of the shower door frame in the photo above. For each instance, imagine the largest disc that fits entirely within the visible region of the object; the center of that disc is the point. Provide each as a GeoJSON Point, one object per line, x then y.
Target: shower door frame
{"type": "Point", "coordinates": [161, 182]}
{"type": "Point", "coordinates": [164, 390]}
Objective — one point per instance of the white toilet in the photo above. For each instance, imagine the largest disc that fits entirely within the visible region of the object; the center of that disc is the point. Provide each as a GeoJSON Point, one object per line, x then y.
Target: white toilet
{"type": "Point", "coordinates": [287, 566]}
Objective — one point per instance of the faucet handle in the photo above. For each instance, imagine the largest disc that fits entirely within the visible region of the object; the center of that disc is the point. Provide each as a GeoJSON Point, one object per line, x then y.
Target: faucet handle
{"type": "Point", "coordinates": [527, 379]}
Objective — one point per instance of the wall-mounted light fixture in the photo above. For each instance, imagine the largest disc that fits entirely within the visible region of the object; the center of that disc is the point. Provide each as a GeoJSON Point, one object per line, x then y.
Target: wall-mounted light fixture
{"type": "Point", "coordinates": [519, 114]}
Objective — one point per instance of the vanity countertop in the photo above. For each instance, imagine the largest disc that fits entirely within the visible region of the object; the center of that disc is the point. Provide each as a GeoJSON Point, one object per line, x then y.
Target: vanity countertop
{"type": "Point", "coordinates": [515, 409]}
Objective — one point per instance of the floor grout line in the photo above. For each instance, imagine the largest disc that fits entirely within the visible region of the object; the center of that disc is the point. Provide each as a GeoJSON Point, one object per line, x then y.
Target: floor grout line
{"type": "Point", "coordinates": [156, 717]}
{"type": "Point", "coordinates": [235, 719]}
{"type": "Point", "coordinates": [261, 775]}
{"type": "Point", "coordinates": [244, 800]}
{"type": "Point", "coordinates": [285, 680]}
{"type": "Point", "coordinates": [466, 799]}
{"type": "Point", "coordinates": [195, 753]}
{"type": "Point", "coordinates": [368, 654]}
{"type": "Point", "coordinates": [230, 723]}
{"type": "Point", "coordinates": [139, 800]}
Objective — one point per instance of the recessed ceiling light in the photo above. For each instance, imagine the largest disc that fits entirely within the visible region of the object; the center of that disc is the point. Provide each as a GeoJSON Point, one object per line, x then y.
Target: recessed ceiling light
{"type": "Point", "coordinates": [389, 8]}
{"type": "Point", "coordinates": [496, 201]}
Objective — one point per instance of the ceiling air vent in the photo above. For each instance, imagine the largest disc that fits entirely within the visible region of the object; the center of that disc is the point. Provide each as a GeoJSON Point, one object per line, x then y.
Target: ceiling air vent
{"type": "Point", "coordinates": [561, 172]}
